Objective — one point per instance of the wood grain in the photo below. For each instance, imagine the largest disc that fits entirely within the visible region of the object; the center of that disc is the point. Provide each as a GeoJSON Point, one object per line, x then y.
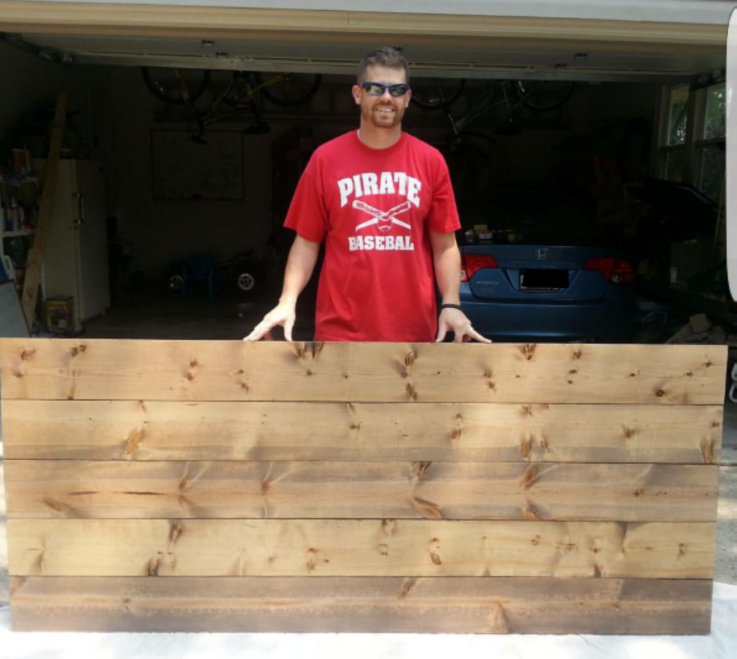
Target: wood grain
{"type": "Point", "coordinates": [317, 548]}
{"type": "Point", "coordinates": [362, 372]}
{"type": "Point", "coordinates": [299, 604]}
{"type": "Point", "coordinates": [151, 430]}
{"type": "Point", "coordinates": [362, 490]}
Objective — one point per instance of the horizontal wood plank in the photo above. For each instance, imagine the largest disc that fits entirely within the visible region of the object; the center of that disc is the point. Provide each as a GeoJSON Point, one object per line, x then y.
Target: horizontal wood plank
{"type": "Point", "coordinates": [353, 490]}
{"type": "Point", "coordinates": [448, 605]}
{"type": "Point", "coordinates": [414, 548]}
{"type": "Point", "coordinates": [151, 430]}
{"type": "Point", "coordinates": [357, 372]}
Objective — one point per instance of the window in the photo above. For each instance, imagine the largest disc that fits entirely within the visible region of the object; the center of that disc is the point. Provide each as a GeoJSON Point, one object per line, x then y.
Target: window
{"type": "Point", "coordinates": [692, 137]}
{"type": "Point", "coordinates": [673, 139]}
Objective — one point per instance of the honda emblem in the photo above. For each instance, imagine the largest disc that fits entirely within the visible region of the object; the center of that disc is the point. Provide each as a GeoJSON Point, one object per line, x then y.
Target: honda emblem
{"type": "Point", "coordinates": [542, 254]}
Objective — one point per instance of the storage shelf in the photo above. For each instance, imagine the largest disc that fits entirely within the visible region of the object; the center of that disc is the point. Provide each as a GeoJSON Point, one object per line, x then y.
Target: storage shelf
{"type": "Point", "coordinates": [16, 234]}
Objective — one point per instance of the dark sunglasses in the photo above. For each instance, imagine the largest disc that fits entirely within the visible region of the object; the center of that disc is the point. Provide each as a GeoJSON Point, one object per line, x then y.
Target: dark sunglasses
{"type": "Point", "coordinates": [378, 89]}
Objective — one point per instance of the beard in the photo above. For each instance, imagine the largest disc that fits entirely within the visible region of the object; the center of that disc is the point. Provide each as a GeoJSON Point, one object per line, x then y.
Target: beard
{"type": "Point", "coordinates": [375, 117]}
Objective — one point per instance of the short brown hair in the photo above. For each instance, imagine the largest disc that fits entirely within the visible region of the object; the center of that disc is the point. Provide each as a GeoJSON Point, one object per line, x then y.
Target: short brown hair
{"type": "Point", "coordinates": [390, 57]}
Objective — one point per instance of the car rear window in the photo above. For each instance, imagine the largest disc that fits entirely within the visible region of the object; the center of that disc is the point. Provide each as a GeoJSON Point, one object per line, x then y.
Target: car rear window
{"type": "Point", "coordinates": [534, 219]}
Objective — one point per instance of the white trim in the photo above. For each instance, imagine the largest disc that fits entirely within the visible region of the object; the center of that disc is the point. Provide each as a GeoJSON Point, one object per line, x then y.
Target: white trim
{"type": "Point", "coordinates": [705, 12]}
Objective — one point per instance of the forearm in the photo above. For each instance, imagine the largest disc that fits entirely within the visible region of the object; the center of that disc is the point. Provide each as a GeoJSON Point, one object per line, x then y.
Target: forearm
{"type": "Point", "coordinates": [448, 273]}
{"type": "Point", "coordinates": [299, 269]}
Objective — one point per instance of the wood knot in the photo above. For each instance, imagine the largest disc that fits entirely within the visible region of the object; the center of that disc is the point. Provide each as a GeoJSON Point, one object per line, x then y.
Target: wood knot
{"type": "Point", "coordinates": [689, 374]}
{"type": "Point", "coordinates": [682, 550]}
{"type": "Point", "coordinates": [152, 569]}
{"type": "Point", "coordinates": [265, 485]}
{"type": "Point", "coordinates": [411, 391]}
{"type": "Point", "coordinates": [316, 347]}
{"type": "Point", "coordinates": [527, 410]}
{"type": "Point", "coordinates": [526, 448]}
{"type": "Point", "coordinates": [707, 450]}
{"type": "Point", "coordinates": [639, 492]}
{"type": "Point", "coordinates": [708, 364]}
{"type": "Point", "coordinates": [309, 373]}
{"type": "Point", "coordinates": [27, 354]}
{"type": "Point", "coordinates": [384, 549]}
{"type": "Point", "coordinates": [17, 374]}
{"type": "Point", "coordinates": [529, 477]}
{"type": "Point", "coordinates": [77, 349]}
{"type": "Point", "coordinates": [419, 469]}
{"type": "Point", "coordinates": [660, 393]}
{"type": "Point", "coordinates": [407, 585]}
{"type": "Point", "coordinates": [409, 358]}
{"type": "Point", "coordinates": [194, 363]}
{"type": "Point", "coordinates": [355, 426]}
{"type": "Point", "coordinates": [528, 351]}
{"type": "Point", "coordinates": [633, 375]}
{"type": "Point", "coordinates": [190, 376]}
{"type": "Point", "coordinates": [577, 353]}
{"type": "Point", "coordinates": [629, 433]}
{"type": "Point", "coordinates": [488, 375]}
{"type": "Point", "coordinates": [177, 529]}
{"type": "Point", "coordinates": [456, 434]}
{"type": "Point", "coordinates": [536, 540]}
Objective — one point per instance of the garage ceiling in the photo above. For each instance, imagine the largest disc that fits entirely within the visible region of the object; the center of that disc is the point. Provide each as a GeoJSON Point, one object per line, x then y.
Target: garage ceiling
{"type": "Point", "coordinates": [333, 41]}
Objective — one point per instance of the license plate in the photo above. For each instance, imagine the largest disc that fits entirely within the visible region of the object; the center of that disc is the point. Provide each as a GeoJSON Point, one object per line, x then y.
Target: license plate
{"type": "Point", "coordinates": [534, 279]}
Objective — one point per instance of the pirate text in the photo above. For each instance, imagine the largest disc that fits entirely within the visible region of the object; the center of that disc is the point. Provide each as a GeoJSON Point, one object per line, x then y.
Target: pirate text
{"type": "Point", "coordinates": [379, 184]}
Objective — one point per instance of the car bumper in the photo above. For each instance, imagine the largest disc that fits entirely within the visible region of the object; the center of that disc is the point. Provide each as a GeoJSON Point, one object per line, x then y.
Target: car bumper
{"type": "Point", "coordinates": [610, 321]}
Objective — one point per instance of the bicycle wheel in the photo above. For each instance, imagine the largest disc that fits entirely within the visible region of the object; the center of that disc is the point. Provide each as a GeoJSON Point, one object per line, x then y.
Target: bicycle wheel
{"type": "Point", "coordinates": [437, 94]}
{"type": "Point", "coordinates": [288, 89]}
{"type": "Point", "coordinates": [543, 95]}
{"type": "Point", "coordinates": [176, 86]}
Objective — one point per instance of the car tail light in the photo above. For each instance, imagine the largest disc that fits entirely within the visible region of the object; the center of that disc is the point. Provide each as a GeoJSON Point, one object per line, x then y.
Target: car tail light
{"type": "Point", "coordinates": [617, 271]}
{"type": "Point", "coordinates": [472, 263]}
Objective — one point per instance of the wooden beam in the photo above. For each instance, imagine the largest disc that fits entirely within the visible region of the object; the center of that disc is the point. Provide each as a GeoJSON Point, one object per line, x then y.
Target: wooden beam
{"type": "Point", "coordinates": [36, 254]}
{"type": "Point", "coordinates": [303, 604]}
{"type": "Point", "coordinates": [479, 432]}
{"type": "Point", "coordinates": [65, 369]}
{"type": "Point", "coordinates": [323, 548]}
{"type": "Point", "coordinates": [361, 490]}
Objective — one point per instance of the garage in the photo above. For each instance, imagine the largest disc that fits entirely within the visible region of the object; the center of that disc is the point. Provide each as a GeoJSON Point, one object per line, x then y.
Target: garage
{"type": "Point", "coordinates": [563, 480]}
{"type": "Point", "coordinates": [622, 145]}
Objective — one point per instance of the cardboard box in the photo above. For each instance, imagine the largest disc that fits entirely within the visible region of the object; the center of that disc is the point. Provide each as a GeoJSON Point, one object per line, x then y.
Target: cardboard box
{"type": "Point", "coordinates": [60, 314]}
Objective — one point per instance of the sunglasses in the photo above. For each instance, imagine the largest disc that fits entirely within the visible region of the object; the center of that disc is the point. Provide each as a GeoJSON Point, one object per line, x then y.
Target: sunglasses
{"type": "Point", "coordinates": [378, 89]}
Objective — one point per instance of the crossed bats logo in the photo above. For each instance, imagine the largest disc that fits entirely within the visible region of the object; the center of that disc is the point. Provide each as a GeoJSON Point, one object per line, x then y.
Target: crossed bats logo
{"type": "Point", "coordinates": [385, 219]}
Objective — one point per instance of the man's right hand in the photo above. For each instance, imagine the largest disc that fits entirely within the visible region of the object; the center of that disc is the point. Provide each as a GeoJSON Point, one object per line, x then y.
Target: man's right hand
{"type": "Point", "coordinates": [283, 314]}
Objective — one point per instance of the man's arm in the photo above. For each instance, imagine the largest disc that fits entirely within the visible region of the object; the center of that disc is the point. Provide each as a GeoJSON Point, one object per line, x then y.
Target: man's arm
{"type": "Point", "coordinates": [300, 264]}
{"type": "Point", "coordinates": [447, 260]}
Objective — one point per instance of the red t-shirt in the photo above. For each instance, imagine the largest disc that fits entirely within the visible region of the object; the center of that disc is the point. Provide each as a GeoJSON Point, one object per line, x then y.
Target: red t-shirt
{"type": "Point", "coordinates": [375, 208]}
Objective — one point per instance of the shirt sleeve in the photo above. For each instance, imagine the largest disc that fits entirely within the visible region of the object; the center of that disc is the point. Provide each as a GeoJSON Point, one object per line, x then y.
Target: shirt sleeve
{"type": "Point", "coordinates": [307, 213]}
{"type": "Point", "coordinates": [443, 216]}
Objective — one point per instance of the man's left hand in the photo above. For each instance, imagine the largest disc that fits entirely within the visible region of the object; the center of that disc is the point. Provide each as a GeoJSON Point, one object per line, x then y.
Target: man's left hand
{"type": "Point", "coordinates": [454, 320]}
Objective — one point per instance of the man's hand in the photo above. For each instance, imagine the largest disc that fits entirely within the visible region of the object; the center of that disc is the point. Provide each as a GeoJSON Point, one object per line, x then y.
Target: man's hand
{"type": "Point", "coordinates": [454, 320]}
{"type": "Point", "coordinates": [283, 314]}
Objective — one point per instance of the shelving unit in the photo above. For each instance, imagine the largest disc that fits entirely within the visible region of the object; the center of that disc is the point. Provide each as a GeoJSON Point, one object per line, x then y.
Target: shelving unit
{"type": "Point", "coordinates": [13, 186]}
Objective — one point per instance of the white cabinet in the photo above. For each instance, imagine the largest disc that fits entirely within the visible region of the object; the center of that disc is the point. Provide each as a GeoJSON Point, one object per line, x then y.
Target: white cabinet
{"type": "Point", "coordinates": [76, 262]}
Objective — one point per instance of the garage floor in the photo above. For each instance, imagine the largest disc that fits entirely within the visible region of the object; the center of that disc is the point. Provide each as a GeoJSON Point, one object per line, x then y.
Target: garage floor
{"type": "Point", "coordinates": [157, 315]}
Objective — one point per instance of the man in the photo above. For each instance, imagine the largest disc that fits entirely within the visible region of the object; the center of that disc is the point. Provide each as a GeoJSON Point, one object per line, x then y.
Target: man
{"type": "Point", "coordinates": [383, 202]}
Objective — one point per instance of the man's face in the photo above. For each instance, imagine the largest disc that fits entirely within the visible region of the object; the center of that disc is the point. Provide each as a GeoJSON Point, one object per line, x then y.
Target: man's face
{"type": "Point", "coordinates": [383, 111]}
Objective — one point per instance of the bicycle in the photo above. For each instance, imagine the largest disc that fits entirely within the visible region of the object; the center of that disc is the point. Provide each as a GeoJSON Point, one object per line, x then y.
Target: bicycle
{"type": "Point", "coordinates": [538, 96]}
{"type": "Point", "coordinates": [184, 87]}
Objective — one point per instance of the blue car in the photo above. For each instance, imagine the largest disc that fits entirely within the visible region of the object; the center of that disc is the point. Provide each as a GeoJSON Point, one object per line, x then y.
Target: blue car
{"type": "Point", "coordinates": [549, 278]}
